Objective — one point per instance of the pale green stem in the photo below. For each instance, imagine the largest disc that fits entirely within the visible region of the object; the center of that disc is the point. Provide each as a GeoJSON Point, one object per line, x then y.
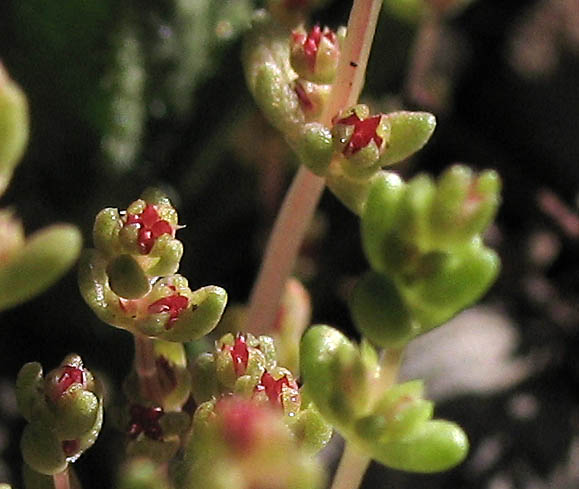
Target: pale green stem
{"type": "Point", "coordinates": [351, 470]}
{"type": "Point", "coordinates": [354, 463]}
{"type": "Point", "coordinates": [61, 480]}
{"type": "Point", "coordinates": [302, 198]}
{"type": "Point", "coordinates": [146, 368]}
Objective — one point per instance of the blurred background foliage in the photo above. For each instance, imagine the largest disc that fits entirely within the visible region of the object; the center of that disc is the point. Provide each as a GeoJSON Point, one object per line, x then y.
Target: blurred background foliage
{"type": "Point", "coordinates": [125, 94]}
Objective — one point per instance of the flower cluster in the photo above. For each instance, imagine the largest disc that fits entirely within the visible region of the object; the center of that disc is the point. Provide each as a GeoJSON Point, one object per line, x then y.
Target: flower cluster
{"type": "Point", "coordinates": [129, 280]}
{"type": "Point", "coordinates": [247, 367]}
{"type": "Point", "coordinates": [64, 410]}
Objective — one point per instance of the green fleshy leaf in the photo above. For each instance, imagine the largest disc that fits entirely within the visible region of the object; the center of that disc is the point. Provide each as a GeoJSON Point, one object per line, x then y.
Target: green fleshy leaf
{"type": "Point", "coordinates": [126, 278]}
{"type": "Point", "coordinates": [314, 147]}
{"type": "Point", "coordinates": [106, 229]}
{"type": "Point", "coordinates": [334, 375]}
{"type": "Point", "coordinates": [380, 312]}
{"type": "Point", "coordinates": [95, 290]}
{"type": "Point", "coordinates": [169, 250]}
{"type": "Point", "coordinates": [204, 379]}
{"type": "Point", "coordinates": [42, 450]}
{"type": "Point", "coordinates": [269, 75]}
{"type": "Point", "coordinates": [13, 127]}
{"type": "Point", "coordinates": [48, 254]}
{"type": "Point", "coordinates": [451, 282]}
{"type": "Point", "coordinates": [76, 413]}
{"type": "Point", "coordinates": [413, 219]}
{"type": "Point", "coordinates": [353, 193]}
{"type": "Point", "coordinates": [28, 387]}
{"type": "Point", "coordinates": [437, 446]}
{"type": "Point", "coordinates": [410, 131]}
{"type": "Point", "coordinates": [196, 322]}
{"type": "Point", "coordinates": [379, 217]}
{"type": "Point", "coordinates": [464, 205]}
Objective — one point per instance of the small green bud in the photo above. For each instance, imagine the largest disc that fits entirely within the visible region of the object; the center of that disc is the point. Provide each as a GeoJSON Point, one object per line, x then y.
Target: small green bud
{"type": "Point", "coordinates": [409, 132]}
{"type": "Point", "coordinates": [380, 312]}
{"type": "Point", "coordinates": [13, 127]}
{"type": "Point", "coordinates": [45, 257]}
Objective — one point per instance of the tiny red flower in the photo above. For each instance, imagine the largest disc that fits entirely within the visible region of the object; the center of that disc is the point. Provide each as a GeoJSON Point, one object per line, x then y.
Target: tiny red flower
{"type": "Point", "coordinates": [151, 227]}
{"type": "Point", "coordinates": [239, 354]}
{"type": "Point", "coordinates": [364, 132]}
{"type": "Point", "coordinates": [274, 388]}
{"type": "Point", "coordinates": [173, 304]}
{"type": "Point", "coordinates": [70, 375]}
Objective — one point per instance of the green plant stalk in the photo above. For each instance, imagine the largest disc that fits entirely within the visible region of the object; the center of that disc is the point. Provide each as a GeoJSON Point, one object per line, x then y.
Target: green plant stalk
{"type": "Point", "coordinates": [304, 194]}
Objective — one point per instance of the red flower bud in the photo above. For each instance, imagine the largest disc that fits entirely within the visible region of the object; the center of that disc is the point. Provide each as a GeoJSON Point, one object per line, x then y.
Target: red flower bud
{"type": "Point", "coordinates": [315, 55]}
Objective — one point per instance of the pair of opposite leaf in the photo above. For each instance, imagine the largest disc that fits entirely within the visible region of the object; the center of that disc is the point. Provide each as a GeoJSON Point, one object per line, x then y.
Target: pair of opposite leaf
{"type": "Point", "coordinates": [27, 266]}
{"type": "Point", "coordinates": [394, 425]}
{"type": "Point", "coordinates": [424, 243]}
{"type": "Point", "coordinates": [130, 279]}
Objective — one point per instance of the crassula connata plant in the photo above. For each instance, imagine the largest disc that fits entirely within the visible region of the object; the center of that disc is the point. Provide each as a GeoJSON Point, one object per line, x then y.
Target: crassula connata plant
{"type": "Point", "coordinates": [255, 407]}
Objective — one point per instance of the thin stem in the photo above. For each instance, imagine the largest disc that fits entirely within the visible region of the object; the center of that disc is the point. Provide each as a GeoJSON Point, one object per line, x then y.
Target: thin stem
{"type": "Point", "coordinates": [351, 470]}
{"type": "Point", "coordinates": [282, 249]}
{"type": "Point", "coordinates": [305, 191]}
{"type": "Point", "coordinates": [61, 480]}
{"type": "Point", "coordinates": [146, 368]}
